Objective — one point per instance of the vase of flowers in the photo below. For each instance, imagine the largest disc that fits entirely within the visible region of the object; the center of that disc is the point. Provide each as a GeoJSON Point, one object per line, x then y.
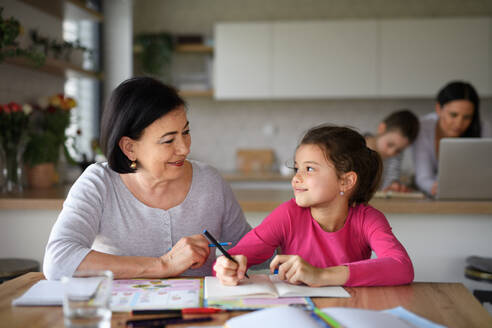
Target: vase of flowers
{"type": "Point", "coordinates": [50, 119]}
{"type": "Point", "coordinates": [14, 121]}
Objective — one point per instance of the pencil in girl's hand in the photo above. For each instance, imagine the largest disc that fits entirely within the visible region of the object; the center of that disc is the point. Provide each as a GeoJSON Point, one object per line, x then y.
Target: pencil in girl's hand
{"type": "Point", "coordinates": [225, 243]}
{"type": "Point", "coordinates": [222, 250]}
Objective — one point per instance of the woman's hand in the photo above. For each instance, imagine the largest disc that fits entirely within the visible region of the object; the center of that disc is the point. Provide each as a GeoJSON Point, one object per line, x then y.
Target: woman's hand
{"type": "Point", "coordinates": [295, 270]}
{"type": "Point", "coordinates": [228, 272]}
{"type": "Point", "coordinates": [189, 253]}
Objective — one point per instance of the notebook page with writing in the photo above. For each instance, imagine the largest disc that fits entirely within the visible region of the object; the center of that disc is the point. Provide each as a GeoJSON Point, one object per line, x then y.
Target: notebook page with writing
{"type": "Point", "coordinates": [287, 290]}
{"type": "Point", "coordinates": [256, 286]}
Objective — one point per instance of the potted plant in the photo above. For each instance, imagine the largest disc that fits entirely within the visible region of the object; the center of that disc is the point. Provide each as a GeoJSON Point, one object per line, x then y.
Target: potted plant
{"type": "Point", "coordinates": [9, 31]}
{"type": "Point", "coordinates": [47, 140]}
{"type": "Point", "coordinates": [155, 55]}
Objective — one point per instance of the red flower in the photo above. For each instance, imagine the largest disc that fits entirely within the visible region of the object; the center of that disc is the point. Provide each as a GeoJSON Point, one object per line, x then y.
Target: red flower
{"type": "Point", "coordinates": [51, 109]}
{"type": "Point", "coordinates": [6, 109]}
{"type": "Point", "coordinates": [15, 107]}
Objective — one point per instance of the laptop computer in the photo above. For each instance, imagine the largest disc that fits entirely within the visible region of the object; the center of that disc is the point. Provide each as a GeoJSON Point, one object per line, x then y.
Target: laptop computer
{"type": "Point", "coordinates": [465, 168]}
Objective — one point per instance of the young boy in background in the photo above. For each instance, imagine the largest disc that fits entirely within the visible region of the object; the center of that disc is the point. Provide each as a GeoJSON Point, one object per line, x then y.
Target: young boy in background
{"type": "Point", "coordinates": [395, 133]}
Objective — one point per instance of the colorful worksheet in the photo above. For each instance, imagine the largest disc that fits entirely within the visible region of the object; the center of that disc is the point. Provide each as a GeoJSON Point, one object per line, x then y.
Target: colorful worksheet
{"type": "Point", "coordinates": [136, 294]}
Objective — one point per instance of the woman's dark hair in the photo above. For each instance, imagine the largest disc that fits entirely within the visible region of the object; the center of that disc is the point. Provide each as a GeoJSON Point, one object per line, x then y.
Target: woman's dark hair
{"type": "Point", "coordinates": [134, 104]}
{"type": "Point", "coordinates": [459, 90]}
{"type": "Point", "coordinates": [405, 122]}
{"type": "Point", "coordinates": [347, 150]}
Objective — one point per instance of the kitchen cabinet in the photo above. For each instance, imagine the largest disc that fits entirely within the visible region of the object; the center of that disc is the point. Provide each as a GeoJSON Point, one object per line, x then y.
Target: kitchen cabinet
{"type": "Point", "coordinates": [419, 56]}
{"type": "Point", "coordinates": [243, 60]}
{"type": "Point", "coordinates": [325, 59]}
{"type": "Point", "coordinates": [351, 58]}
{"type": "Point", "coordinates": [200, 50]}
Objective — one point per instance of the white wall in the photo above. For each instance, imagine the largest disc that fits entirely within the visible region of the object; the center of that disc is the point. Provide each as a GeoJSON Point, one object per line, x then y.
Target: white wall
{"type": "Point", "coordinates": [24, 233]}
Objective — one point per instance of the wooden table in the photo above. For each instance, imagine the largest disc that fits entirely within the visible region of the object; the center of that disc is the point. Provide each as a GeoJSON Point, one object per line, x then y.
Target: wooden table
{"type": "Point", "coordinates": [449, 304]}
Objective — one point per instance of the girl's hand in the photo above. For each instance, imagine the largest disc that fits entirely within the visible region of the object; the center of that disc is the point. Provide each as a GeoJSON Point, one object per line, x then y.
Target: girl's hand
{"type": "Point", "coordinates": [188, 253]}
{"type": "Point", "coordinates": [228, 272]}
{"type": "Point", "coordinates": [295, 270]}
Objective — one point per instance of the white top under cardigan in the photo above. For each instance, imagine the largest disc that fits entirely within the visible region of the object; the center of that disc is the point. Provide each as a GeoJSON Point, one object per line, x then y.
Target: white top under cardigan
{"type": "Point", "coordinates": [101, 214]}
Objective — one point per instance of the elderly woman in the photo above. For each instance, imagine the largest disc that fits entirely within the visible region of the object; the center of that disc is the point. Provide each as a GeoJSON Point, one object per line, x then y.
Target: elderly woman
{"type": "Point", "coordinates": [141, 214]}
{"type": "Point", "coordinates": [457, 115]}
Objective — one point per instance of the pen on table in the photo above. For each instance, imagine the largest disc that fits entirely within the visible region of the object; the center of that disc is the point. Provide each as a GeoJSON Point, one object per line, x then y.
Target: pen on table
{"type": "Point", "coordinates": [225, 243]}
{"type": "Point", "coordinates": [223, 251]}
{"type": "Point", "coordinates": [179, 312]}
{"type": "Point", "coordinates": [332, 322]}
{"type": "Point", "coordinates": [162, 322]}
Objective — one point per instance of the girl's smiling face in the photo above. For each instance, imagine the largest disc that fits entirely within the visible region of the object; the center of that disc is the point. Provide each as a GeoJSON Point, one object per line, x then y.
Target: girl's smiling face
{"type": "Point", "coordinates": [315, 181]}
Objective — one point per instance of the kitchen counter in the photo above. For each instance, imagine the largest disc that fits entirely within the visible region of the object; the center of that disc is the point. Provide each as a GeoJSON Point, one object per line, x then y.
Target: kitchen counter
{"type": "Point", "coordinates": [235, 176]}
{"type": "Point", "coordinates": [261, 200]}
{"type": "Point", "coordinates": [438, 235]}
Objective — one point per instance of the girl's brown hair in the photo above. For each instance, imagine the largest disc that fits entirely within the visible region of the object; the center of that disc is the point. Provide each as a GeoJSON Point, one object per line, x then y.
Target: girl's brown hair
{"type": "Point", "coordinates": [348, 151]}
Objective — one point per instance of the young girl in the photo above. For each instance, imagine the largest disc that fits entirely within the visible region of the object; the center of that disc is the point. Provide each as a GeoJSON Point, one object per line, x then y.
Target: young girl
{"type": "Point", "coordinates": [328, 231]}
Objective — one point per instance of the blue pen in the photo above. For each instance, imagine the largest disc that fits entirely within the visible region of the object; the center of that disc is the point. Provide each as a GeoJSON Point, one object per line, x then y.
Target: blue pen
{"type": "Point", "coordinates": [225, 243]}
{"type": "Point", "coordinates": [221, 249]}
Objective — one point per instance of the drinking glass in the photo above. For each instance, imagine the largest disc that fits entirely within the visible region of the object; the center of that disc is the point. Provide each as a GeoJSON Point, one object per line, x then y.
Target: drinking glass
{"type": "Point", "coordinates": [87, 296]}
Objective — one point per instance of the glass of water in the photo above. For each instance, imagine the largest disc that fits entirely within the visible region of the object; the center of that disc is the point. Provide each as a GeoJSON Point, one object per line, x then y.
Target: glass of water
{"type": "Point", "coordinates": [86, 300]}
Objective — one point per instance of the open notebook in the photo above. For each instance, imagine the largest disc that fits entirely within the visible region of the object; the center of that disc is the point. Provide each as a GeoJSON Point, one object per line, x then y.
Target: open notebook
{"type": "Point", "coordinates": [265, 286]}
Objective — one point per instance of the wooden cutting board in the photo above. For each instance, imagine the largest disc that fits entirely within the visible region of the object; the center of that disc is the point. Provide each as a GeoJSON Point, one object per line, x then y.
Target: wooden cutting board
{"type": "Point", "coordinates": [255, 160]}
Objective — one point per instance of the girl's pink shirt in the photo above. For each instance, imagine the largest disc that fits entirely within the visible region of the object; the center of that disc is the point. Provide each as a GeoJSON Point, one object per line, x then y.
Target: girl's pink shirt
{"type": "Point", "coordinates": [293, 229]}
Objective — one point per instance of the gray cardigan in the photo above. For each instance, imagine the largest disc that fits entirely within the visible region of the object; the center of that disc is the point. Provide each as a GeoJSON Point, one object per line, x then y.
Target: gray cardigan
{"type": "Point", "coordinates": [424, 151]}
{"type": "Point", "coordinates": [100, 213]}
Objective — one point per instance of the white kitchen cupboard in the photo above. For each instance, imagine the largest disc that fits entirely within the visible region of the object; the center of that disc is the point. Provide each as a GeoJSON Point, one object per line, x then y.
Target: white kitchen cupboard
{"type": "Point", "coordinates": [322, 59]}
{"type": "Point", "coordinates": [352, 58]}
{"type": "Point", "coordinates": [243, 60]}
{"type": "Point", "coordinates": [419, 56]}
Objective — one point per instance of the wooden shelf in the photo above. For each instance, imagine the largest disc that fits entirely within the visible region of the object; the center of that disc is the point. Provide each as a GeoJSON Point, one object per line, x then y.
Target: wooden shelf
{"type": "Point", "coordinates": [188, 48]}
{"type": "Point", "coordinates": [196, 93]}
{"type": "Point", "coordinates": [52, 7]}
{"type": "Point", "coordinates": [198, 48]}
{"type": "Point", "coordinates": [66, 9]}
{"type": "Point", "coordinates": [77, 10]}
{"type": "Point", "coordinates": [54, 67]}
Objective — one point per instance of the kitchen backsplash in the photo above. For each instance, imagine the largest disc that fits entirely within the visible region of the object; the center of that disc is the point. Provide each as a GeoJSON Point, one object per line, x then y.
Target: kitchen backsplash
{"type": "Point", "coordinates": [219, 128]}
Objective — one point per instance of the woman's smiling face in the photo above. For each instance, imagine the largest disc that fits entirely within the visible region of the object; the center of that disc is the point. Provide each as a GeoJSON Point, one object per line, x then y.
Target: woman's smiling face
{"type": "Point", "coordinates": [455, 117]}
{"type": "Point", "coordinates": [164, 145]}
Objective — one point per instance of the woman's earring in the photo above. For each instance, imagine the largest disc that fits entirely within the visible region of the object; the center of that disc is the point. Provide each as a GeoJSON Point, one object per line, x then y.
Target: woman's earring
{"type": "Point", "coordinates": [133, 165]}
{"type": "Point", "coordinates": [342, 193]}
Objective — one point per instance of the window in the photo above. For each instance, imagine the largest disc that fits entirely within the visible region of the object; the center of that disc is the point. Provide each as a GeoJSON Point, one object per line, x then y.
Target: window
{"type": "Point", "coordinates": [84, 127]}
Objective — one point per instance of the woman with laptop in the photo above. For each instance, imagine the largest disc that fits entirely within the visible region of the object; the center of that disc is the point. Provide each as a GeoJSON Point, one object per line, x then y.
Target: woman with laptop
{"type": "Point", "coordinates": [457, 115]}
